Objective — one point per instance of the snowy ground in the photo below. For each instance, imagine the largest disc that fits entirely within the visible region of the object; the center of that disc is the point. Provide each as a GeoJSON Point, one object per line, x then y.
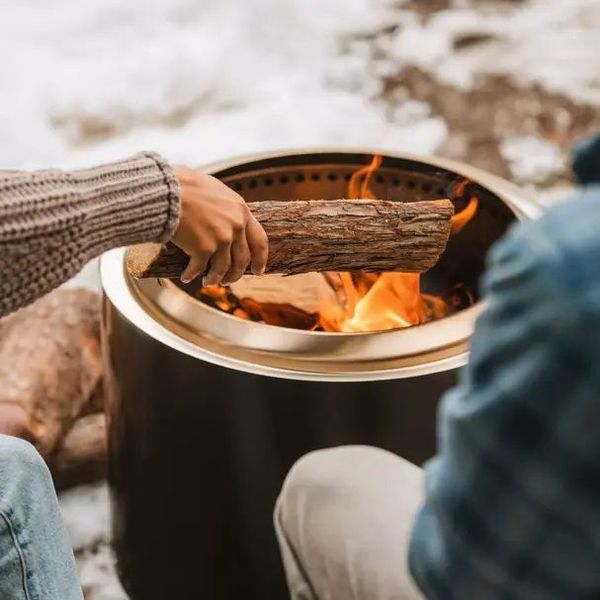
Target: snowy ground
{"type": "Point", "coordinates": [505, 84]}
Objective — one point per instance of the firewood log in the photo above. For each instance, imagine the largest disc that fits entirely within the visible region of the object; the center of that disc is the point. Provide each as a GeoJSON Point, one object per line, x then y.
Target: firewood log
{"type": "Point", "coordinates": [50, 365]}
{"type": "Point", "coordinates": [308, 291]}
{"type": "Point", "coordinates": [81, 457]}
{"type": "Point", "coordinates": [14, 421]}
{"type": "Point", "coordinates": [330, 235]}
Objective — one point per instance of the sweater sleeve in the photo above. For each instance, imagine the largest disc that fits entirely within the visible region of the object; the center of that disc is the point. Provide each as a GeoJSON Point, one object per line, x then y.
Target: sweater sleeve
{"type": "Point", "coordinates": [53, 222]}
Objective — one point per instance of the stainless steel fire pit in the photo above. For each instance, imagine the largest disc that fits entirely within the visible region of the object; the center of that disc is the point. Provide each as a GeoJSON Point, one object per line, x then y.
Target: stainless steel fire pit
{"type": "Point", "coordinates": [207, 412]}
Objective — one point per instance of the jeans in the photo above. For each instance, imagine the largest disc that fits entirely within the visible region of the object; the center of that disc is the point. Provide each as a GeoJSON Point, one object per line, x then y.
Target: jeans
{"type": "Point", "coordinates": [36, 559]}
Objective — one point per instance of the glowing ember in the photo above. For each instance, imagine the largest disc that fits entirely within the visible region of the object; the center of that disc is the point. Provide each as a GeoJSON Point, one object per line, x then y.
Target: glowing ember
{"type": "Point", "coordinates": [362, 301]}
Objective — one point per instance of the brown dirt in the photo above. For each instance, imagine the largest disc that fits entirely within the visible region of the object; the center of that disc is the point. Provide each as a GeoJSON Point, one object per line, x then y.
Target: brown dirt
{"type": "Point", "coordinates": [426, 8]}
{"type": "Point", "coordinates": [496, 107]}
{"type": "Point", "coordinates": [84, 129]}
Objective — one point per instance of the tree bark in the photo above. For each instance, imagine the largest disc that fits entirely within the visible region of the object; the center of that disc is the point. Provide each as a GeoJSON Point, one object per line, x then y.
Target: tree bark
{"type": "Point", "coordinates": [330, 235]}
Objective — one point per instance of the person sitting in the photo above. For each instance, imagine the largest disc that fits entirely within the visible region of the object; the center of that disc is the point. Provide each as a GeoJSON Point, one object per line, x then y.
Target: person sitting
{"type": "Point", "coordinates": [51, 224]}
{"type": "Point", "coordinates": [510, 506]}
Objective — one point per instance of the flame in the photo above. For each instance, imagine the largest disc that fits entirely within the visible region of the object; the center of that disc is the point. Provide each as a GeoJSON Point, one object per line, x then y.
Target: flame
{"type": "Point", "coordinates": [365, 301]}
{"type": "Point", "coordinates": [390, 300]}
{"type": "Point", "coordinates": [374, 303]}
{"type": "Point", "coordinates": [387, 305]}
{"type": "Point", "coordinates": [358, 186]}
{"type": "Point", "coordinates": [460, 219]}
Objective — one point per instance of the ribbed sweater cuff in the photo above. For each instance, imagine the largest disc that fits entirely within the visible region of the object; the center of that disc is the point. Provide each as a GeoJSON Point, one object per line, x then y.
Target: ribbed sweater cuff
{"type": "Point", "coordinates": [130, 201]}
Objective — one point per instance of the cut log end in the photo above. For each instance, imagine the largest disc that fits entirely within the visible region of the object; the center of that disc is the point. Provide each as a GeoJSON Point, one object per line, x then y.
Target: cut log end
{"type": "Point", "coordinates": [141, 257]}
{"type": "Point", "coordinates": [330, 235]}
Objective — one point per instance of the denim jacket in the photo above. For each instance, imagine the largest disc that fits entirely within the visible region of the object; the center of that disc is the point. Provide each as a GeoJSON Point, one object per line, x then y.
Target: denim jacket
{"type": "Point", "coordinates": [512, 505]}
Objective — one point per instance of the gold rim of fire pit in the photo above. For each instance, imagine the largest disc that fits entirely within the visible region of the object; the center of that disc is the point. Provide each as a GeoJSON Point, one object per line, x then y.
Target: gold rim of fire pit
{"type": "Point", "coordinates": [170, 315]}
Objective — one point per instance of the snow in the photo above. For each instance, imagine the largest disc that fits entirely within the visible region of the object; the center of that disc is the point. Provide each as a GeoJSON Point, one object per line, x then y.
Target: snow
{"type": "Point", "coordinates": [84, 82]}
{"type": "Point", "coordinates": [86, 514]}
{"type": "Point", "coordinates": [533, 159]}
{"type": "Point", "coordinates": [98, 575]}
{"type": "Point", "coordinates": [554, 43]}
{"type": "Point", "coordinates": [234, 76]}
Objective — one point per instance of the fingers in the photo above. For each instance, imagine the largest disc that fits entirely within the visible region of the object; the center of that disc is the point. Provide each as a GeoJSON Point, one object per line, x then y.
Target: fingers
{"type": "Point", "coordinates": [196, 266]}
{"type": "Point", "coordinates": [240, 258]}
{"type": "Point", "coordinates": [219, 265]}
{"type": "Point", "coordinates": [258, 244]}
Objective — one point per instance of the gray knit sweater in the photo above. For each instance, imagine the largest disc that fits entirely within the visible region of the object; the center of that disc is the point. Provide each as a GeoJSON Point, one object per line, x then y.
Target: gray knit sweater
{"type": "Point", "coordinates": [53, 222]}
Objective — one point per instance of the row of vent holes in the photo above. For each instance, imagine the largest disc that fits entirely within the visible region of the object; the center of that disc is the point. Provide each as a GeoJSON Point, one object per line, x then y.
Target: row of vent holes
{"type": "Point", "coordinates": [300, 178]}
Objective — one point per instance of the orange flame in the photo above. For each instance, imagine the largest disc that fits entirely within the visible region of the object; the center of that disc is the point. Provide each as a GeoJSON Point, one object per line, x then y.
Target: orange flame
{"type": "Point", "coordinates": [460, 219]}
{"type": "Point", "coordinates": [390, 300]}
{"type": "Point", "coordinates": [358, 186]}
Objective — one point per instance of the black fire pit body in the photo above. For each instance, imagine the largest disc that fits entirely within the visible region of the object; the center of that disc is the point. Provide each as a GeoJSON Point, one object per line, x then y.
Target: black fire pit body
{"type": "Point", "coordinates": [207, 412]}
{"type": "Point", "coordinates": [199, 452]}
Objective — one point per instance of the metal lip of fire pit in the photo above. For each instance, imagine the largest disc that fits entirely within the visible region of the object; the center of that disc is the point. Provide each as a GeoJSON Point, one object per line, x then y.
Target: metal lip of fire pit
{"type": "Point", "coordinates": [170, 315]}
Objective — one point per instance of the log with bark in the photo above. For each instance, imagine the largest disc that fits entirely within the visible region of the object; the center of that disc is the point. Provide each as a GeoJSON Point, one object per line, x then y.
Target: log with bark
{"type": "Point", "coordinates": [82, 455]}
{"type": "Point", "coordinates": [50, 366]}
{"type": "Point", "coordinates": [330, 235]}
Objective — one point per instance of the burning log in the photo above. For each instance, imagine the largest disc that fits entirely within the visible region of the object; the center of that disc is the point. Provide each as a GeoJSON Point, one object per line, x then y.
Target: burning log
{"type": "Point", "coordinates": [307, 291]}
{"type": "Point", "coordinates": [330, 235]}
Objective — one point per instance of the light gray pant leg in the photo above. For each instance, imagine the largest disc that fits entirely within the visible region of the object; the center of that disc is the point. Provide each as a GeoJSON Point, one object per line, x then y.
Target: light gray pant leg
{"type": "Point", "coordinates": [343, 522]}
{"type": "Point", "coordinates": [36, 559]}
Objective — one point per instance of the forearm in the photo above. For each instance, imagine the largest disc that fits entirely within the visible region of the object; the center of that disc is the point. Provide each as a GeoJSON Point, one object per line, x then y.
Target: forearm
{"type": "Point", "coordinates": [53, 222]}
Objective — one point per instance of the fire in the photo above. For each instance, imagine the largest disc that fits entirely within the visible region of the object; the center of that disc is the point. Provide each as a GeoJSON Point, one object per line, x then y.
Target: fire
{"type": "Point", "coordinates": [386, 304]}
{"type": "Point", "coordinates": [390, 300]}
{"type": "Point", "coordinates": [358, 186]}
{"type": "Point", "coordinates": [460, 219]}
{"type": "Point", "coordinates": [365, 301]}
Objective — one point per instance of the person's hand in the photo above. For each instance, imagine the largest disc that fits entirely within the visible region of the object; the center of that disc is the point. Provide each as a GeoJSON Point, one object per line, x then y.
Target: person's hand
{"type": "Point", "coordinates": [217, 230]}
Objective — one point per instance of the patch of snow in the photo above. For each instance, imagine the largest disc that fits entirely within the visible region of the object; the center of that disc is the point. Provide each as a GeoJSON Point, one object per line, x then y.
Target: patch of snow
{"type": "Point", "coordinates": [197, 81]}
{"type": "Point", "coordinates": [554, 43]}
{"type": "Point", "coordinates": [430, 45]}
{"type": "Point", "coordinates": [87, 278]}
{"type": "Point", "coordinates": [98, 575]}
{"type": "Point", "coordinates": [532, 159]}
{"type": "Point", "coordinates": [85, 511]}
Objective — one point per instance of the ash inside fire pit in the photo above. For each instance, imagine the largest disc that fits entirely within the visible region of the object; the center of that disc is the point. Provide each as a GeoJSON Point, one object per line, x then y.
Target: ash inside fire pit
{"type": "Point", "coordinates": [360, 301]}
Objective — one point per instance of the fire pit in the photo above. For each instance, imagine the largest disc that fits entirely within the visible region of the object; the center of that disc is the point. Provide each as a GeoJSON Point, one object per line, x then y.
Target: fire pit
{"type": "Point", "coordinates": [214, 393]}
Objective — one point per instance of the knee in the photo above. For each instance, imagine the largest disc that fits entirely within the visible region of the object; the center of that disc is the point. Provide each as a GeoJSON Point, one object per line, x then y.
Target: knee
{"type": "Point", "coordinates": [20, 461]}
{"type": "Point", "coordinates": [326, 478]}
{"type": "Point", "coordinates": [319, 474]}
{"type": "Point", "coordinates": [335, 471]}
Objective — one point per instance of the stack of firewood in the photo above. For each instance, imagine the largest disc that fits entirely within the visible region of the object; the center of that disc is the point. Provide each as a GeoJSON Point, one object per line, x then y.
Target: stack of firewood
{"type": "Point", "coordinates": [51, 383]}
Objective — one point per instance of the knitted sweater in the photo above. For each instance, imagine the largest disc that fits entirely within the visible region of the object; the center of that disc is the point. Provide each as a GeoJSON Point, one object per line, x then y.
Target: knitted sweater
{"type": "Point", "coordinates": [53, 222]}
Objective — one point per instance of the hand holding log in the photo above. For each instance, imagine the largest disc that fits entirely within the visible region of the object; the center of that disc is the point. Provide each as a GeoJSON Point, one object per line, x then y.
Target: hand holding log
{"type": "Point", "coordinates": [330, 235]}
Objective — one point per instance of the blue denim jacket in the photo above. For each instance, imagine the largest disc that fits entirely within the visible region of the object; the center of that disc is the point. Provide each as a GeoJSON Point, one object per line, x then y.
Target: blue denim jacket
{"type": "Point", "coordinates": [512, 504]}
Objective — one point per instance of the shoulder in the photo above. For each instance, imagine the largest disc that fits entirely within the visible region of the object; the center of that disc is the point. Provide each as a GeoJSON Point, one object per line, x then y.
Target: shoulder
{"type": "Point", "coordinates": [551, 266]}
{"type": "Point", "coordinates": [563, 246]}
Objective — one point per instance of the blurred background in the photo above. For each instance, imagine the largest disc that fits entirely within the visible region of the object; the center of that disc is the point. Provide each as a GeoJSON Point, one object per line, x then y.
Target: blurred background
{"type": "Point", "coordinates": [507, 85]}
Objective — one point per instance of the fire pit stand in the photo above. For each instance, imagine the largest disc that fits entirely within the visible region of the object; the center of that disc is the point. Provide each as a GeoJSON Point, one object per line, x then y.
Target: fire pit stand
{"type": "Point", "coordinates": [207, 412]}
